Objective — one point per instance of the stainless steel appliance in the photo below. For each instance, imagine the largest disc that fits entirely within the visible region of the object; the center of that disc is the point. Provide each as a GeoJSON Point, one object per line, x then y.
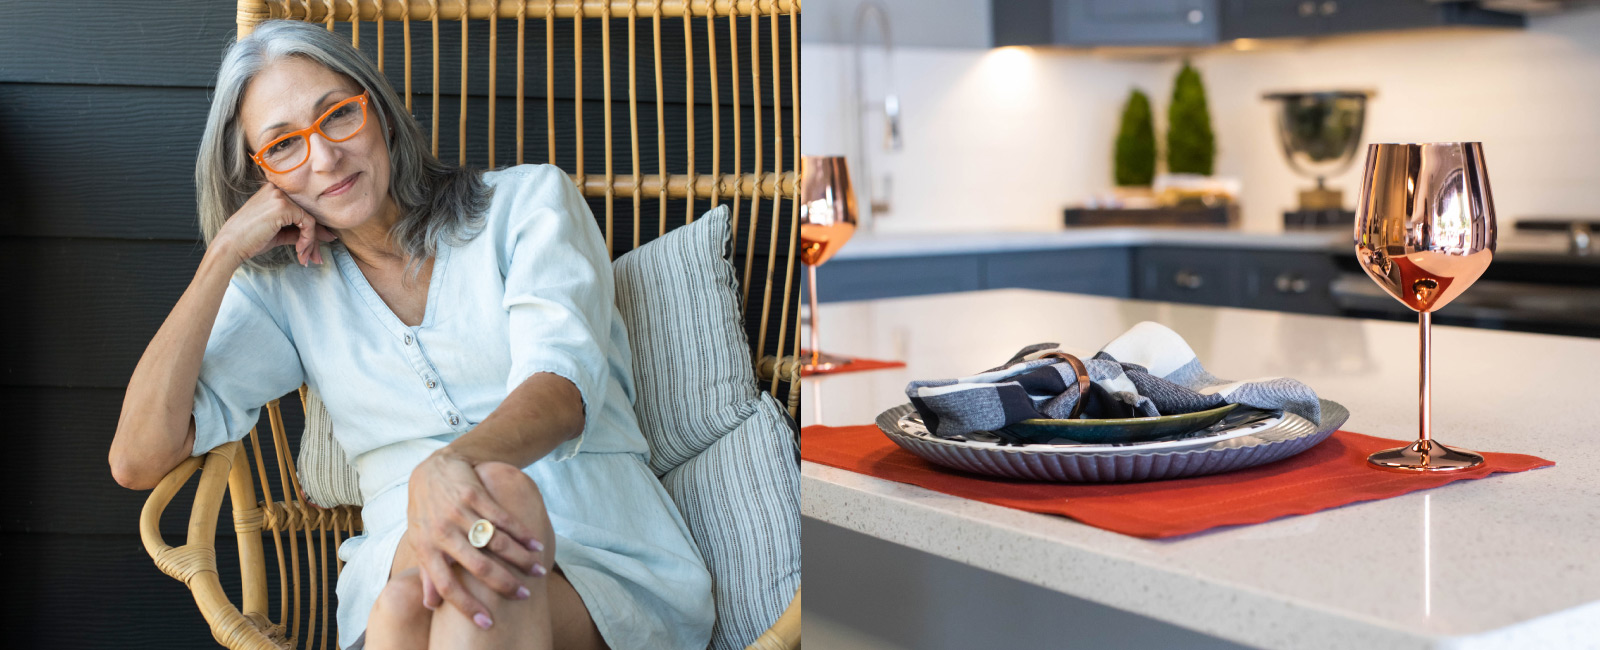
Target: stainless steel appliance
{"type": "Point", "coordinates": [1545, 293]}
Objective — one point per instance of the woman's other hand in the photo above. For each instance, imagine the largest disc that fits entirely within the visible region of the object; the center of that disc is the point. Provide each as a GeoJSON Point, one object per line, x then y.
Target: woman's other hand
{"type": "Point", "coordinates": [446, 497]}
{"type": "Point", "coordinates": [271, 219]}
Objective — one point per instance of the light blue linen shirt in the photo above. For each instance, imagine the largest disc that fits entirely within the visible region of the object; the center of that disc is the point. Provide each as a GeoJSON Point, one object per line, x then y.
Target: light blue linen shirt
{"type": "Point", "coordinates": [532, 292]}
{"type": "Point", "coordinates": [390, 386]}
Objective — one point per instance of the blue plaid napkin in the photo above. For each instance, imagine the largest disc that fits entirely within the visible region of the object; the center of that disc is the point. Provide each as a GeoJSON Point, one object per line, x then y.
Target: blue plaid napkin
{"type": "Point", "coordinates": [1147, 371]}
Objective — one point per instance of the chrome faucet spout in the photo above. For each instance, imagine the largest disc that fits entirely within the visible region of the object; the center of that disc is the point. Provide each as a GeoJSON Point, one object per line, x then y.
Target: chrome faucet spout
{"type": "Point", "coordinates": [891, 119]}
{"type": "Point", "coordinates": [876, 188]}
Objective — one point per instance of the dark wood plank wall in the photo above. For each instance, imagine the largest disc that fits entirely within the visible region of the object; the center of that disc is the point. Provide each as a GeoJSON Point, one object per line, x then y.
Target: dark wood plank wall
{"type": "Point", "coordinates": [102, 104]}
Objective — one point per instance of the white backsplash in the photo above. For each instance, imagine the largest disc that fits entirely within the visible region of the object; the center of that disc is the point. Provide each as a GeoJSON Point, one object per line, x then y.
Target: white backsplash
{"type": "Point", "coordinates": [1004, 139]}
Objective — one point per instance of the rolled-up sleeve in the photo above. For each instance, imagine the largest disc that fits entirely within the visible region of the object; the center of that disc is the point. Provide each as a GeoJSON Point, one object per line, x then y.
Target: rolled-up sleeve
{"type": "Point", "coordinates": [249, 361]}
{"type": "Point", "coordinates": [559, 292]}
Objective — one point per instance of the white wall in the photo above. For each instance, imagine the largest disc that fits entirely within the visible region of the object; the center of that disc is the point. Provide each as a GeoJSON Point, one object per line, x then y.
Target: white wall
{"type": "Point", "coordinates": [992, 139]}
{"type": "Point", "coordinates": [1003, 139]}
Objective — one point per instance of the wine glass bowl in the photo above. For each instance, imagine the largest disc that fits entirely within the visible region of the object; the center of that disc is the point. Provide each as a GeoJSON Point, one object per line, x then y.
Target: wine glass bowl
{"type": "Point", "coordinates": [827, 221]}
{"type": "Point", "coordinates": [827, 210]}
{"type": "Point", "coordinates": [1425, 231]}
{"type": "Point", "coordinates": [1425, 228]}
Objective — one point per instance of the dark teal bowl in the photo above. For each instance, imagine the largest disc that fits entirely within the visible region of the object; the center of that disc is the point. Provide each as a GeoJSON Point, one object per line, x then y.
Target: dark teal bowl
{"type": "Point", "coordinates": [1123, 430]}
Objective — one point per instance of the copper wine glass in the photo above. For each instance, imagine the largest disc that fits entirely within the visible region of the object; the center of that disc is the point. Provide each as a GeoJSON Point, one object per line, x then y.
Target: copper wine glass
{"type": "Point", "coordinates": [827, 220]}
{"type": "Point", "coordinates": [1424, 232]}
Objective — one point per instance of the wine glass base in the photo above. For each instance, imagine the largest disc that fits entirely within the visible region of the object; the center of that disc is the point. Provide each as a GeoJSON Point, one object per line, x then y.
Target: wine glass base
{"type": "Point", "coordinates": [824, 362]}
{"type": "Point", "coordinates": [1424, 456]}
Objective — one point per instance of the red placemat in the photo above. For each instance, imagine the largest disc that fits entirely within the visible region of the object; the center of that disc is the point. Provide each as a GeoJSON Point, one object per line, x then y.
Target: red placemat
{"type": "Point", "coordinates": [1329, 475]}
{"type": "Point", "coordinates": [855, 365]}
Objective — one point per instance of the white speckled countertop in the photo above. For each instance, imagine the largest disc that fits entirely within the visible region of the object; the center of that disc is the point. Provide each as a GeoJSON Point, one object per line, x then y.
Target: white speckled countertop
{"type": "Point", "coordinates": [875, 245]}
{"type": "Point", "coordinates": [1508, 561]}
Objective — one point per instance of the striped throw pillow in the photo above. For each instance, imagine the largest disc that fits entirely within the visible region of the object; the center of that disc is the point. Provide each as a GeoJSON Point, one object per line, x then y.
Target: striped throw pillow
{"type": "Point", "coordinates": [325, 474]}
{"type": "Point", "coordinates": [741, 500]}
{"type": "Point", "coordinates": [679, 296]}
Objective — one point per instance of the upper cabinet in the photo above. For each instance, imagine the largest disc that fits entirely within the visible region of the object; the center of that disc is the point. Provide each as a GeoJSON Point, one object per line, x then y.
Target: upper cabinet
{"type": "Point", "coordinates": [1089, 23]}
{"type": "Point", "coordinates": [1137, 22]}
{"type": "Point", "coordinates": [1275, 18]}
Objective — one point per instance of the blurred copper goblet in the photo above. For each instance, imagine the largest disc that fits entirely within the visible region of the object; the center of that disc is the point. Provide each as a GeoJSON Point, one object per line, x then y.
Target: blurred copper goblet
{"type": "Point", "coordinates": [1424, 232]}
{"type": "Point", "coordinates": [827, 220]}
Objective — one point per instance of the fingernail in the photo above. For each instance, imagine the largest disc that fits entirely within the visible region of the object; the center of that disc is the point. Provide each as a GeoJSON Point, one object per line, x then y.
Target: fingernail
{"type": "Point", "coordinates": [522, 592]}
{"type": "Point", "coordinates": [482, 620]}
{"type": "Point", "coordinates": [535, 545]}
{"type": "Point", "coordinates": [538, 569]}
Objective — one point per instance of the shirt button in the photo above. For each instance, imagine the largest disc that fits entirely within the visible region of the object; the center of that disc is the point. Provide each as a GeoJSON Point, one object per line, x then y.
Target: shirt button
{"type": "Point", "coordinates": [430, 383]}
{"type": "Point", "coordinates": [454, 419]}
{"type": "Point", "coordinates": [408, 339]}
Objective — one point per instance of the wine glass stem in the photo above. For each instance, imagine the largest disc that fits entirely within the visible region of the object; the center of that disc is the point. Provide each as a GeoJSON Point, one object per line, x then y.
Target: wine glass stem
{"type": "Point", "coordinates": [811, 285]}
{"type": "Point", "coordinates": [1424, 390]}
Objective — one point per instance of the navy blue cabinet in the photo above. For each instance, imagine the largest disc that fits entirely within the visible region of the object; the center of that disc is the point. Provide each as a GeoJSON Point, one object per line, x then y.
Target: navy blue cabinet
{"type": "Point", "coordinates": [1297, 281]}
{"type": "Point", "coordinates": [1088, 23]}
{"type": "Point", "coordinates": [1136, 22]}
{"type": "Point", "coordinates": [1277, 280]}
{"type": "Point", "coordinates": [1097, 271]}
{"type": "Point", "coordinates": [892, 277]}
{"type": "Point", "coordinates": [1091, 23]}
{"type": "Point", "coordinates": [1203, 276]}
{"type": "Point", "coordinates": [1022, 22]}
{"type": "Point", "coordinates": [1374, 15]}
{"type": "Point", "coordinates": [1280, 18]}
{"type": "Point", "coordinates": [1272, 18]}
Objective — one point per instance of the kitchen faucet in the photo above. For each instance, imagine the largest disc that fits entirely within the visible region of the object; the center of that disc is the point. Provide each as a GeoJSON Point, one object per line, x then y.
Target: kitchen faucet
{"type": "Point", "coordinates": [877, 200]}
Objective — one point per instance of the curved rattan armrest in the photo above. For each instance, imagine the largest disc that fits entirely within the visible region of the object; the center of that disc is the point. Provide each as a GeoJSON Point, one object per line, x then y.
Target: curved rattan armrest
{"type": "Point", "coordinates": [195, 562]}
{"type": "Point", "coordinates": [785, 632]}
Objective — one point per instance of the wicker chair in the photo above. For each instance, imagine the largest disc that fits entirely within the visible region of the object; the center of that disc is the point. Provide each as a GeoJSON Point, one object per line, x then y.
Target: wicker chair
{"type": "Point", "coordinates": [308, 527]}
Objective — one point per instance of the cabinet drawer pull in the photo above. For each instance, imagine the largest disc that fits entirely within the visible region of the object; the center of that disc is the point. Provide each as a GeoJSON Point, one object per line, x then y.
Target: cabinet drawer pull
{"type": "Point", "coordinates": [1290, 282]}
{"type": "Point", "coordinates": [1187, 279]}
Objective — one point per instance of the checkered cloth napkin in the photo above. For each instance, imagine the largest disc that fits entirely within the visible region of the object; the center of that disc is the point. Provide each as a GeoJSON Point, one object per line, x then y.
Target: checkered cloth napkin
{"type": "Point", "coordinates": [1148, 370]}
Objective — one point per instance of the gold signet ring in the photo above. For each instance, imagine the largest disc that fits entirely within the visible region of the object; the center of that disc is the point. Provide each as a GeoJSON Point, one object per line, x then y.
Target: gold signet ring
{"type": "Point", "coordinates": [481, 531]}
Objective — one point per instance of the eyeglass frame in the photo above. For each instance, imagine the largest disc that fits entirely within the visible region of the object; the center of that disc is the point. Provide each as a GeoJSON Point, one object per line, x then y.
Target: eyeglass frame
{"type": "Point", "coordinates": [316, 127]}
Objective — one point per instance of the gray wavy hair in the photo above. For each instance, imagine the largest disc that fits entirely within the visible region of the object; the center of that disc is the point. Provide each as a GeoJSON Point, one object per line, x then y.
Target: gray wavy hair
{"type": "Point", "coordinates": [436, 200]}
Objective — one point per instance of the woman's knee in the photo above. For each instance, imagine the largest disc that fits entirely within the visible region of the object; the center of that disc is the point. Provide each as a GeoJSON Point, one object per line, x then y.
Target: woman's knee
{"type": "Point", "coordinates": [400, 602]}
{"type": "Point", "coordinates": [519, 495]}
{"type": "Point", "coordinates": [509, 485]}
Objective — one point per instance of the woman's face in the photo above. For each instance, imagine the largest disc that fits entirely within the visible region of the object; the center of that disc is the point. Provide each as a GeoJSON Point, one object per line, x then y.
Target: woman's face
{"type": "Point", "coordinates": [289, 95]}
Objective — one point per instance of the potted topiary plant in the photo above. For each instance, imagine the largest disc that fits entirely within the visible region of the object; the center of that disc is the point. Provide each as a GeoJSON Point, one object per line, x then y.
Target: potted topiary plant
{"type": "Point", "coordinates": [1135, 155]}
{"type": "Point", "coordinates": [1191, 146]}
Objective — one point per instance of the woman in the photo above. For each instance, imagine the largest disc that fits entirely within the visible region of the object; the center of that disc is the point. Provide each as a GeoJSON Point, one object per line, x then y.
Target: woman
{"type": "Point", "coordinates": [460, 328]}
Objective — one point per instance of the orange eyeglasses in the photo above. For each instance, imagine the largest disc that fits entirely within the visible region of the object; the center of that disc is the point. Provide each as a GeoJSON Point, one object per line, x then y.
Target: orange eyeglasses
{"type": "Point", "coordinates": [288, 152]}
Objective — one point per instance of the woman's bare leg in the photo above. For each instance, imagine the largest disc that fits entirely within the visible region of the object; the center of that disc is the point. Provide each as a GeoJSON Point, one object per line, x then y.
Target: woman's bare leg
{"type": "Point", "coordinates": [398, 620]}
{"type": "Point", "coordinates": [570, 618]}
{"type": "Point", "coordinates": [552, 617]}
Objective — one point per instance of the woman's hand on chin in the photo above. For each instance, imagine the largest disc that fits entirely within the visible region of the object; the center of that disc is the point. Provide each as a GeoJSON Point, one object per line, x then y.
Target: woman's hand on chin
{"type": "Point", "coordinates": [446, 497]}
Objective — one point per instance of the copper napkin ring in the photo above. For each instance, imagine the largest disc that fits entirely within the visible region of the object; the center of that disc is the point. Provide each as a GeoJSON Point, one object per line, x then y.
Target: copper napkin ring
{"type": "Point", "coordinates": [1083, 379]}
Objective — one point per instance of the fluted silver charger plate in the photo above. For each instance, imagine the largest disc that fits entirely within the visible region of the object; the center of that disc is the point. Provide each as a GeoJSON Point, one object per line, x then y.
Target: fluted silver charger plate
{"type": "Point", "coordinates": [1225, 452]}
